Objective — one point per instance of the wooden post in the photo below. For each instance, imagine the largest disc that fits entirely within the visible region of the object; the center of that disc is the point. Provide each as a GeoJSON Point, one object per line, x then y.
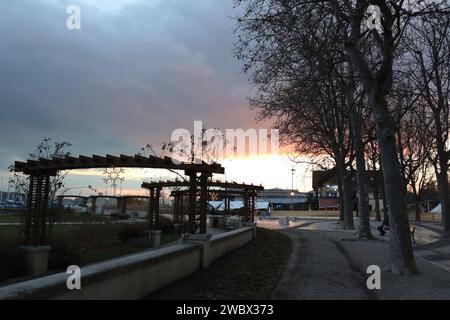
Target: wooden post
{"type": "Point", "coordinates": [60, 204]}
{"type": "Point", "coordinates": [30, 210]}
{"type": "Point", "coordinates": [192, 199]}
{"type": "Point", "coordinates": [123, 205]}
{"type": "Point", "coordinates": [151, 209]}
{"type": "Point", "coordinates": [246, 206]}
{"type": "Point", "coordinates": [176, 207]}
{"type": "Point", "coordinates": [37, 205]}
{"type": "Point", "coordinates": [156, 206]}
{"type": "Point", "coordinates": [94, 205]}
{"type": "Point", "coordinates": [36, 210]}
{"type": "Point", "coordinates": [253, 205]}
{"type": "Point", "coordinates": [203, 201]}
{"type": "Point", "coordinates": [44, 209]}
{"type": "Point", "coordinates": [181, 207]}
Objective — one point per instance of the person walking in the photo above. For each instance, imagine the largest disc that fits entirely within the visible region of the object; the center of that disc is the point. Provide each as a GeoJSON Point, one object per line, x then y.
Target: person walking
{"type": "Point", "coordinates": [385, 224]}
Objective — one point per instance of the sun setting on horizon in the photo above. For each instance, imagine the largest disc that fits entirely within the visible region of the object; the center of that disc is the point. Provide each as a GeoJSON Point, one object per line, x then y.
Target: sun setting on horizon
{"type": "Point", "coordinates": [271, 171]}
{"type": "Point", "coordinates": [224, 153]}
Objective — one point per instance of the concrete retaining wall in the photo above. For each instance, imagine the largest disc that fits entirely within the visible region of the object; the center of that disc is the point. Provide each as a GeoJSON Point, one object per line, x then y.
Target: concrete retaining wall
{"type": "Point", "coordinates": [229, 241]}
{"type": "Point", "coordinates": [132, 276]}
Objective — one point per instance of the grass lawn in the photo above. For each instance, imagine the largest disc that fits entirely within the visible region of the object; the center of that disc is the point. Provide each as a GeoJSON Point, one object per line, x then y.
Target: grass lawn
{"type": "Point", "coordinates": [425, 216]}
{"type": "Point", "coordinates": [305, 213]}
{"type": "Point", "coordinates": [67, 217]}
{"type": "Point", "coordinates": [250, 272]}
{"type": "Point", "coordinates": [71, 244]}
{"type": "Point", "coordinates": [118, 249]}
{"type": "Point", "coordinates": [9, 218]}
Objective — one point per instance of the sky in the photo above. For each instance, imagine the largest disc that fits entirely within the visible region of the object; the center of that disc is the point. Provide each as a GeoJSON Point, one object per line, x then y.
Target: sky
{"type": "Point", "coordinates": [133, 73]}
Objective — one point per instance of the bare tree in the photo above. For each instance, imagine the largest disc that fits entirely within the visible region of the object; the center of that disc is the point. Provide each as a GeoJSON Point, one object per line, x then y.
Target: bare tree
{"type": "Point", "coordinates": [428, 41]}
{"type": "Point", "coordinates": [275, 32]}
{"type": "Point", "coordinates": [375, 181]}
{"type": "Point", "coordinates": [413, 147]}
{"type": "Point", "coordinates": [297, 85]}
{"type": "Point", "coordinates": [355, 109]}
{"type": "Point", "coordinates": [46, 149]}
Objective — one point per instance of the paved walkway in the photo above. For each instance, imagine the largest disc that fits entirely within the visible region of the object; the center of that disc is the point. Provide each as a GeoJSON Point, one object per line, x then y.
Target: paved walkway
{"type": "Point", "coordinates": [429, 244]}
{"type": "Point", "coordinates": [327, 263]}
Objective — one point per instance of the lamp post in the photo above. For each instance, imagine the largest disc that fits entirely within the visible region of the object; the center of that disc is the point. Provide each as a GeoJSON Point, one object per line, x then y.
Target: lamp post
{"type": "Point", "coordinates": [292, 188]}
{"type": "Point", "coordinates": [292, 182]}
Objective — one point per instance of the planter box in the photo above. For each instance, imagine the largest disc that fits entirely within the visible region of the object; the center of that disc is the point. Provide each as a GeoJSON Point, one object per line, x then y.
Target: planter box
{"type": "Point", "coordinates": [36, 259]}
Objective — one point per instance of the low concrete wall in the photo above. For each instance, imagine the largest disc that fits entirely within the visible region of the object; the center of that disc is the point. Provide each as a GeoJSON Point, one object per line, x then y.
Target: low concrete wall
{"type": "Point", "coordinates": [132, 276]}
{"type": "Point", "coordinates": [229, 241]}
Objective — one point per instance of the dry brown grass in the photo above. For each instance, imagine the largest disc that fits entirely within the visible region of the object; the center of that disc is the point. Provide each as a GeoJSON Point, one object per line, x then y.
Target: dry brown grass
{"type": "Point", "coordinates": [250, 272]}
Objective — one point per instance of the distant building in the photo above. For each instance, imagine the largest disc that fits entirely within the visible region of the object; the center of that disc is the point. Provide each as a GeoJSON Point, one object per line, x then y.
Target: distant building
{"type": "Point", "coordinates": [326, 192]}
{"type": "Point", "coordinates": [284, 199]}
{"type": "Point", "coordinates": [219, 205]}
{"type": "Point", "coordinates": [12, 199]}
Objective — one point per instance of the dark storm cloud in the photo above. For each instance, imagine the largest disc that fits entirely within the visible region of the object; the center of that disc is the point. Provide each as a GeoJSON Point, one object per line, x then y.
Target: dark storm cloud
{"type": "Point", "coordinates": [129, 76]}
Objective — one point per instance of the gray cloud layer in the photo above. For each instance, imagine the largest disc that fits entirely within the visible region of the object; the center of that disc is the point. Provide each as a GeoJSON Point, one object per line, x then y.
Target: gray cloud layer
{"type": "Point", "coordinates": [128, 77]}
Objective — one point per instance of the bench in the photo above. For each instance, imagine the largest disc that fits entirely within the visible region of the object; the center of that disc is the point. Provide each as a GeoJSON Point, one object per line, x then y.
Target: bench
{"type": "Point", "coordinates": [412, 230]}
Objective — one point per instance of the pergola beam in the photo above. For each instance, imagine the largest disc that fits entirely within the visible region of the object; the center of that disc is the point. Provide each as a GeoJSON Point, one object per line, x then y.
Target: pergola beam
{"type": "Point", "coordinates": [44, 166]}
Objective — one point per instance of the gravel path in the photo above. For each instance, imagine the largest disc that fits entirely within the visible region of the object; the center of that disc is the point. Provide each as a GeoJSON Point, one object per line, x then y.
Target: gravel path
{"type": "Point", "coordinates": [331, 265]}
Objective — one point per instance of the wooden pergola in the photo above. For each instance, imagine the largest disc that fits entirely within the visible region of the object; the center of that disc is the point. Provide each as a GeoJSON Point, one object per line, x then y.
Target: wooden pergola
{"type": "Point", "coordinates": [247, 191]}
{"type": "Point", "coordinates": [41, 170]}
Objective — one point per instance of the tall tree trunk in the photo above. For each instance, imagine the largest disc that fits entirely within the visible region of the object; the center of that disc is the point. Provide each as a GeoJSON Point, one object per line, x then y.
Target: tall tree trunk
{"type": "Point", "coordinates": [402, 257]}
{"type": "Point", "coordinates": [346, 200]}
{"type": "Point", "coordinates": [416, 203]}
{"type": "Point", "coordinates": [376, 87]}
{"type": "Point", "coordinates": [361, 176]}
{"type": "Point", "coordinates": [361, 173]}
{"type": "Point", "coordinates": [376, 197]}
{"type": "Point", "coordinates": [341, 198]}
{"type": "Point", "coordinates": [442, 176]}
{"type": "Point", "coordinates": [376, 193]}
{"type": "Point", "coordinates": [444, 197]}
{"type": "Point", "coordinates": [383, 194]}
{"type": "Point", "coordinates": [418, 217]}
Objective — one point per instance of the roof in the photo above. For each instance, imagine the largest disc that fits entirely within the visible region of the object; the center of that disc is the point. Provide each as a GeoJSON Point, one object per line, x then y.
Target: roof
{"type": "Point", "coordinates": [260, 205]}
{"type": "Point", "coordinates": [219, 184]}
{"type": "Point", "coordinates": [279, 193]}
{"type": "Point", "coordinates": [437, 209]}
{"type": "Point", "coordinates": [218, 205]}
{"type": "Point", "coordinates": [237, 204]}
{"type": "Point", "coordinates": [286, 200]}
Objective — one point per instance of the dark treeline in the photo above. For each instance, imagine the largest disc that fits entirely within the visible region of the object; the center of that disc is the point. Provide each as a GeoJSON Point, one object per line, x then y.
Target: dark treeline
{"type": "Point", "coordinates": [366, 93]}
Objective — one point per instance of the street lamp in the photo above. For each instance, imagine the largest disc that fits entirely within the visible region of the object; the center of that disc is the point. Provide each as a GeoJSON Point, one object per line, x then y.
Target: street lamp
{"type": "Point", "coordinates": [292, 182]}
{"type": "Point", "coordinates": [292, 189]}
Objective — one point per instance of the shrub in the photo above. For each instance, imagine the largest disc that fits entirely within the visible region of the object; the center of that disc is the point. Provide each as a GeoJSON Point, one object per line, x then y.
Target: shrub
{"type": "Point", "coordinates": [63, 255]}
{"type": "Point", "coordinates": [131, 231]}
{"type": "Point", "coordinates": [166, 225]}
{"type": "Point", "coordinates": [119, 216]}
{"type": "Point", "coordinates": [12, 263]}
